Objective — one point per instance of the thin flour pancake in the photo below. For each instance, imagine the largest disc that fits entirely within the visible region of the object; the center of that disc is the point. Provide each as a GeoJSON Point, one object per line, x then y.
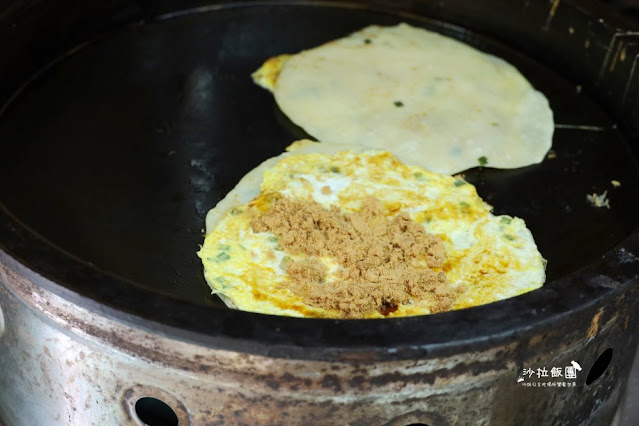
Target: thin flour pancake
{"type": "Point", "coordinates": [415, 93]}
{"type": "Point", "coordinates": [349, 232]}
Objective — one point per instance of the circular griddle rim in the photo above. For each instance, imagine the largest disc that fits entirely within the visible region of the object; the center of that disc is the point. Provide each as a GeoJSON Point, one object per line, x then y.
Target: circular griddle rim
{"type": "Point", "coordinates": [54, 270]}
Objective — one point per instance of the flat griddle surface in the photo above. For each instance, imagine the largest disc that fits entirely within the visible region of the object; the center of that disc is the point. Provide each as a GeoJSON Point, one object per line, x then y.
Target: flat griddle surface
{"type": "Point", "coordinates": [115, 153]}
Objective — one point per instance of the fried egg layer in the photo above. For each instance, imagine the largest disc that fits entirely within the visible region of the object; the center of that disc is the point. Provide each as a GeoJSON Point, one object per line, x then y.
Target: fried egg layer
{"type": "Point", "coordinates": [492, 257]}
{"type": "Point", "coordinates": [417, 94]}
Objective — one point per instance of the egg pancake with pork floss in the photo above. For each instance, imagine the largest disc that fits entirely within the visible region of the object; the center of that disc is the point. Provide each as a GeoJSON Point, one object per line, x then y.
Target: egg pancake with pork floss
{"type": "Point", "coordinates": [338, 231]}
{"type": "Point", "coordinates": [425, 97]}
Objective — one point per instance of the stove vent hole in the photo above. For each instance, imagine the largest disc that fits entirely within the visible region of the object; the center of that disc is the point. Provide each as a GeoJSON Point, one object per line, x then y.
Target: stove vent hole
{"type": "Point", "coordinates": [600, 366]}
{"type": "Point", "coordinates": [154, 412]}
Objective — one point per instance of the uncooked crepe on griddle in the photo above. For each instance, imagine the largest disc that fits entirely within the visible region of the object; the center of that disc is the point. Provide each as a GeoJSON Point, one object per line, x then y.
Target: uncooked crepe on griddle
{"type": "Point", "coordinates": [427, 98]}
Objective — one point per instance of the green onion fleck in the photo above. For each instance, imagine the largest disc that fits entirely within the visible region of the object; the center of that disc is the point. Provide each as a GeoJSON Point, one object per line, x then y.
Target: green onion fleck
{"type": "Point", "coordinates": [334, 169]}
{"type": "Point", "coordinates": [235, 211]}
{"type": "Point", "coordinates": [222, 256]}
{"type": "Point", "coordinates": [224, 247]}
{"type": "Point", "coordinates": [418, 175]}
{"type": "Point", "coordinates": [399, 103]}
{"type": "Point", "coordinates": [276, 241]}
{"type": "Point", "coordinates": [242, 247]}
{"type": "Point", "coordinates": [482, 161]}
{"type": "Point", "coordinates": [367, 40]}
{"type": "Point", "coordinates": [464, 205]}
{"type": "Point", "coordinates": [460, 182]}
{"type": "Point", "coordinates": [494, 124]}
{"type": "Point", "coordinates": [223, 282]}
{"type": "Point", "coordinates": [284, 263]}
{"type": "Point", "coordinates": [509, 237]}
{"type": "Point", "coordinates": [506, 220]}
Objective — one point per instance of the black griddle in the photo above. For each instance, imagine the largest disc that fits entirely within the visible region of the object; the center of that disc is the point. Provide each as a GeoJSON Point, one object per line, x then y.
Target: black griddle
{"type": "Point", "coordinates": [113, 153]}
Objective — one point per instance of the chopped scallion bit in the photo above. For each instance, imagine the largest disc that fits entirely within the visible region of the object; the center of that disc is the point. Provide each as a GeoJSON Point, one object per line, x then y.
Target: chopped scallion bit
{"type": "Point", "coordinates": [334, 169]}
{"type": "Point", "coordinates": [223, 282]}
{"type": "Point", "coordinates": [460, 182]}
{"type": "Point", "coordinates": [509, 237]}
{"type": "Point", "coordinates": [506, 220]}
{"type": "Point", "coordinates": [224, 247]}
{"type": "Point", "coordinates": [482, 161]}
{"type": "Point", "coordinates": [399, 103]}
{"type": "Point", "coordinates": [284, 262]}
{"type": "Point", "coordinates": [367, 40]}
{"type": "Point", "coordinates": [222, 256]}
